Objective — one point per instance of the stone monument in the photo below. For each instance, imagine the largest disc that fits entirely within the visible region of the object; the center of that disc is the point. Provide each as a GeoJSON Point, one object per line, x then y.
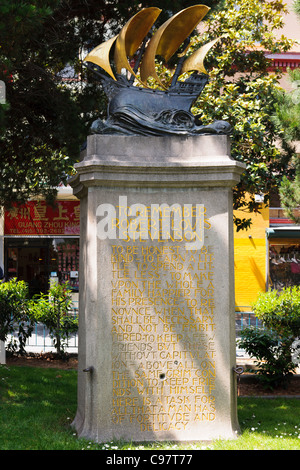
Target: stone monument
{"type": "Point", "coordinates": [156, 322]}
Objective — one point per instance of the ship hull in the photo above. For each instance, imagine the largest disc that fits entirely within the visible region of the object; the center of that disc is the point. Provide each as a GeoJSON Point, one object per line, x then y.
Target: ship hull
{"type": "Point", "coordinates": [151, 101]}
{"type": "Point", "coordinates": [145, 111]}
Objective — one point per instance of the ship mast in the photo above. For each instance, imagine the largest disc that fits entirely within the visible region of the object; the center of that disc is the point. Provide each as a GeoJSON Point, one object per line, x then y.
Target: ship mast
{"type": "Point", "coordinates": [131, 37]}
{"type": "Point", "coordinates": [180, 63]}
{"type": "Point", "coordinates": [140, 55]}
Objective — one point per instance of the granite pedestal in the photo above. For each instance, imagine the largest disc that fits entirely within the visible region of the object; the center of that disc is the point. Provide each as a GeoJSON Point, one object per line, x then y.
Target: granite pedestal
{"type": "Point", "coordinates": [157, 317]}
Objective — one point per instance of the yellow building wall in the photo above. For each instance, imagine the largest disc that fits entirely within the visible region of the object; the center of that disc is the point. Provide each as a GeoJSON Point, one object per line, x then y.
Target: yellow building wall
{"type": "Point", "coordinates": [250, 257]}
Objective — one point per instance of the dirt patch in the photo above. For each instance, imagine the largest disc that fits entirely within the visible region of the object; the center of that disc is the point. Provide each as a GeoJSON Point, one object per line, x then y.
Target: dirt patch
{"type": "Point", "coordinates": [45, 360]}
{"type": "Point", "coordinates": [248, 386]}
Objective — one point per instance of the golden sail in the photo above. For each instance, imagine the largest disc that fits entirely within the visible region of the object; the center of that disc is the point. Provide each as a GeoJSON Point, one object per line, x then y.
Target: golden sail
{"type": "Point", "coordinates": [165, 42]}
{"type": "Point", "coordinates": [196, 60]}
{"type": "Point", "coordinates": [169, 37]}
{"type": "Point", "coordinates": [139, 108]}
{"type": "Point", "coordinates": [100, 56]}
{"type": "Point", "coordinates": [131, 37]}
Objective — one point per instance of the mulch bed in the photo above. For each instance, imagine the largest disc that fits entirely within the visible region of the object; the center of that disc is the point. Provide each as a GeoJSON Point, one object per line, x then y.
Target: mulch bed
{"type": "Point", "coordinates": [248, 385]}
{"type": "Point", "coordinates": [43, 360]}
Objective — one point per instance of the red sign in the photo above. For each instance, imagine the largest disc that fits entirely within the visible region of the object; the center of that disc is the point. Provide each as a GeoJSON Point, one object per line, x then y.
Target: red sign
{"type": "Point", "coordinates": [38, 218]}
{"type": "Point", "coordinates": [280, 221]}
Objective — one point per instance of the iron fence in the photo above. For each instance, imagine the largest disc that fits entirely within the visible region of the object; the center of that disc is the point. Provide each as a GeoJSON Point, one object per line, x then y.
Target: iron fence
{"type": "Point", "coordinates": [245, 320]}
{"type": "Point", "coordinates": [40, 340]}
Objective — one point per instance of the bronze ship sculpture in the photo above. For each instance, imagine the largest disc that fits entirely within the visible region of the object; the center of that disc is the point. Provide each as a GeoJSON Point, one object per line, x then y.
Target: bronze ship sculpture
{"type": "Point", "coordinates": [135, 108]}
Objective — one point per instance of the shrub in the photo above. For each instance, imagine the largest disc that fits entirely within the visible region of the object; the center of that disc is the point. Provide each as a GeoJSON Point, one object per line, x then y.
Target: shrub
{"type": "Point", "coordinates": [15, 314]}
{"type": "Point", "coordinates": [280, 311]}
{"type": "Point", "coordinates": [54, 310]}
{"type": "Point", "coordinates": [274, 348]}
{"type": "Point", "coordinates": [272, 356]}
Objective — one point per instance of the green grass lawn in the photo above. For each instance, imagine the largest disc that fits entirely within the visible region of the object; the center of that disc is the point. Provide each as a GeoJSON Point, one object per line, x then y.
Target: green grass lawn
{"type": "Point", "coordinates": [38, 405]}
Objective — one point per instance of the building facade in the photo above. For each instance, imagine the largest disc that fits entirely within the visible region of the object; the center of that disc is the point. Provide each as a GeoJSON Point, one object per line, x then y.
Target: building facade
{"type": "Point", "coordinates": [39, 243]}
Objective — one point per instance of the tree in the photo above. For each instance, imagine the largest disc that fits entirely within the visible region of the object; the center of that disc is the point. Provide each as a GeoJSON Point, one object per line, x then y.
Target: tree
{"type": "Point", "coordinates": [287, 118]}
{"type": "Point", "coordinates": [49, 103]}
{"type": "Point", "coordinates": [289, 192]}
{"type": "Point", "coordinates": [242, 91]}
{"type": "Point", "coordinates": [41, 124]}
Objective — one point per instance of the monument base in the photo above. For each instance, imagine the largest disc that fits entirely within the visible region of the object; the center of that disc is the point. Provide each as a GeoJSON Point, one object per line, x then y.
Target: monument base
{"type": "Point", "coordinates": [157, 317]}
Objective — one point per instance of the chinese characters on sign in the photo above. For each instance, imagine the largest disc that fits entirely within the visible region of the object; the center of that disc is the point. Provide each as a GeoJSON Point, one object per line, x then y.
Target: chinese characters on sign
{"type": "Point", "coordinates": [38, 218]}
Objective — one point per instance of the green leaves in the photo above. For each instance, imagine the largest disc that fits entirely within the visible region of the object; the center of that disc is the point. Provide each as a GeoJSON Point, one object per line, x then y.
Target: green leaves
{"type": "Point", "coordinates": [19, 313]}
{"type": "Point", "coordinates": [15, 314]}
{"type": "Point", "coordinates": [242, 91]}
{"type": "Point", "coordinates": [287, 108]}
{"type": "Point", "coordinates": [287, 119]}
{"type": "Point", "coordinates": [272, 356]}
{"type": "Point", "coordinates": [55, 311]}
{"type": "Point", "coordinates": [43, 122]}
{"type": "Point", "coordinates": [280, 311]}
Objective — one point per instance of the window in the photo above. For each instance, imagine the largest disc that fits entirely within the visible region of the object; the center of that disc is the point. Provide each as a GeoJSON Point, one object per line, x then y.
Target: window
{"type": "Point", "coordinates": [284, 265]}
{"type": "Point", "coordinates": [40, 261]}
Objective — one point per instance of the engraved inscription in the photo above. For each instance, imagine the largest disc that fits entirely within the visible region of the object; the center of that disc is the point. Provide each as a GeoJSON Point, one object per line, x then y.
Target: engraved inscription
{"type": "Point", "coordinates": [163, 332]}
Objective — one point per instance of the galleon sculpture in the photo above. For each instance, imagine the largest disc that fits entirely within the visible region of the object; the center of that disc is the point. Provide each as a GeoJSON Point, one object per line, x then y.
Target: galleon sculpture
{"type": "Point", "coordinates": [133, 106]}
